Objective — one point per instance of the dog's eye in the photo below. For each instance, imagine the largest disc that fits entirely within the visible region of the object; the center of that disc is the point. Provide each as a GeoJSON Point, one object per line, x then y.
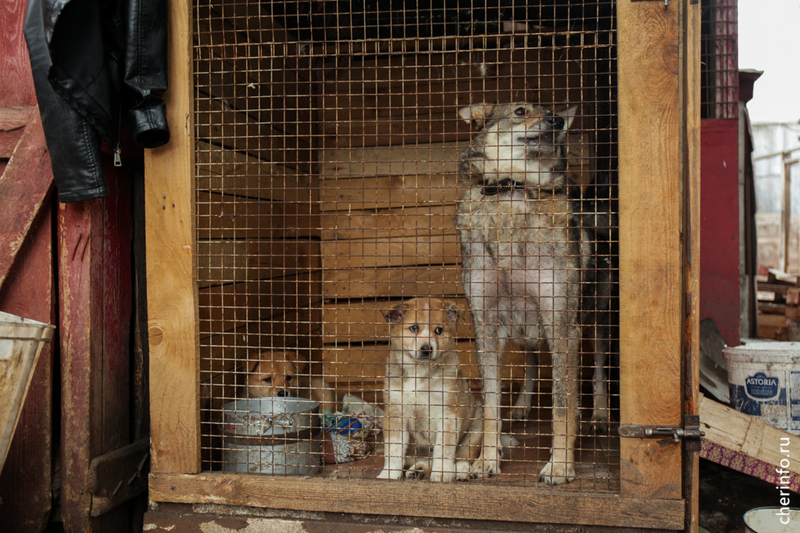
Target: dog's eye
{"type": "Point", "coordinates": [439, 330]}
{"type": "Point", "coordinates": [520, 111]}
{"type": "Point", "coordinates": [267, 380]}
{"type": "Point", "coordinates": [414, 328]}
{"type": "Point", "coordinates": [288, 379]}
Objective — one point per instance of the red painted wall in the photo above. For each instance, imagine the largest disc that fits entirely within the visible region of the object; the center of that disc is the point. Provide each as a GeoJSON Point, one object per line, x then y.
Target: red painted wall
{"type": "Point", "coordinates": [719, 226]}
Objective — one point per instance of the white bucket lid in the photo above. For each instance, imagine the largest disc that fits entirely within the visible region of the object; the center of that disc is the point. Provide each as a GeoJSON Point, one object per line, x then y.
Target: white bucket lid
{"type": "Point", "coordinates": [765, 352]}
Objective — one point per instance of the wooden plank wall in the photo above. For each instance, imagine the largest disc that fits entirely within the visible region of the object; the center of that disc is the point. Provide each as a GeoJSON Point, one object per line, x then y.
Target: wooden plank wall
{"type": "Point", "coordinates": [258, 266]}
{"type": "Point", "coordinates": [28, 290]}
{"type": "Point", "coordinates": [391, 138]}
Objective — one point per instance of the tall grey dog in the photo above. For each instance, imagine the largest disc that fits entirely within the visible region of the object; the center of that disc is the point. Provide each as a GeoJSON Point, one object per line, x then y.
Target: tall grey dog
{"type": "Point", "coordinates": [523, 256]}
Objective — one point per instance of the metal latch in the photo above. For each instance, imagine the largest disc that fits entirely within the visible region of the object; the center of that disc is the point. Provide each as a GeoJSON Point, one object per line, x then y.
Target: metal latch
{"type": "Point", "coordinates": [666, 2]}
{"type": "Point", "coordinates": [690, 432]}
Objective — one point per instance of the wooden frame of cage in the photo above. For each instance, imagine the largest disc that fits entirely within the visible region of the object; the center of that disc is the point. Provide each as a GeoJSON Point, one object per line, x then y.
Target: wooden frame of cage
{"type": "Point", "coordinates": [658, 66]}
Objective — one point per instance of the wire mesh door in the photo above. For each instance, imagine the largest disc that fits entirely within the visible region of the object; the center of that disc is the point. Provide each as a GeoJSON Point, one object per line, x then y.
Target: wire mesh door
{"type": "Point", "coordinates": [406, 240]}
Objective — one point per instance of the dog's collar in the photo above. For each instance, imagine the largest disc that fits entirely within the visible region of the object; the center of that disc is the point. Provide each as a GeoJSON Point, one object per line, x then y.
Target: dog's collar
{"type": "Point", "coordinates": [501, 186]}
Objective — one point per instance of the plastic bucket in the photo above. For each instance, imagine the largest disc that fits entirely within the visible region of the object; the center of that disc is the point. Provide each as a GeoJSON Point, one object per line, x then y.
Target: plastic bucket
{"type": "Point", "coordinates": [271, 436]}
{"type": "Point", "coordinates": [772, 520]}
{"type": "Point", "coordinates": [764, 381]}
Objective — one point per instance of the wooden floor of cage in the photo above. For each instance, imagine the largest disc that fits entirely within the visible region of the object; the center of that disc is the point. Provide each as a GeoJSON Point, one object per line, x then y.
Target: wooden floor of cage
{"type": "Point", "coordinates": [596, 459]}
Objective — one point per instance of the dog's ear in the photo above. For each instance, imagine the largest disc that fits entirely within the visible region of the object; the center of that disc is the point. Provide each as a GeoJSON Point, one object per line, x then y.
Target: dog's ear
{"type": "Point", "coordinates": [475, 113]}
{"type": "Point", "coordinates": [452, 311]}
{"type": "Point", "coordinates": [569, 115]}
{"type": "Point", "coordinates": [395, 315]}
{"type": "Point", "coordinates": [252, 362]}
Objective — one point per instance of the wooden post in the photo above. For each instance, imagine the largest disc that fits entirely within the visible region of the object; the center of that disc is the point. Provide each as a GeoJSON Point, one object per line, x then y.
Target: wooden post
{"type": "Point", "coordinates": [651, 203]}
{"type": "Point", "coordinates": [94, 271]}
{"type": "Point", "coordinates": [786, 211]}
{"type": "Point", "coordinates": [690, 82]}
{"type": "Point", "coordinates": [171, 267]}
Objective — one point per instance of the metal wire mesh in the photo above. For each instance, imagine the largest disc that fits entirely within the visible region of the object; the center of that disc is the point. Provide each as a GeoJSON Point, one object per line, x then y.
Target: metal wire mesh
{"type": "Point", "coordinates": [719, 60]}
{"type": "Point", "coordinates": [327, 170]}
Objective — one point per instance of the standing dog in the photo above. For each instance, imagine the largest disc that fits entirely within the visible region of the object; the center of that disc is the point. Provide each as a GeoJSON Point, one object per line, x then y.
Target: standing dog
{"type": "Point", "coordinates": [428, 401]}
{"type": "Point", "coordinates": [281, 373]}
{"type": "Point", "coordinates": [523, 256]}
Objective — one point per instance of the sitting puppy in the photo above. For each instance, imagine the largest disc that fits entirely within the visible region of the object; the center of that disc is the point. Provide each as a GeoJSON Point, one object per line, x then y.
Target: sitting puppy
{"type": "Point", "coordinates": [282, 374]}
{"type": "Point", "coordinates": [428, 401]}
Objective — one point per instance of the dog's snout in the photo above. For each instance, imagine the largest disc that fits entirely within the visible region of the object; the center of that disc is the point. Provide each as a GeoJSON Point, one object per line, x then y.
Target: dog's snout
{"type": "Point", "coordinates": [556, 122]}
{"type": "Point", "coordinates": [425, 351]}
{"type": "Point", "coordinates": [283, 394]}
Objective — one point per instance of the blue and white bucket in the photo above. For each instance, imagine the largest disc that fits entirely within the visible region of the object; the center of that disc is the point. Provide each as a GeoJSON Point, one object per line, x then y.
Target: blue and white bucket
{"type": "Point", "coordinates": [764, 381]}
{"type": "Point", "coordinates": [271, 435]}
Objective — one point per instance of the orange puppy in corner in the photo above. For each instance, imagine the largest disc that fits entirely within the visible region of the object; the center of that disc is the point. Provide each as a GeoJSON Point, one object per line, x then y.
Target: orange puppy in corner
{"type": "Point", "coordinates": [281, 373]}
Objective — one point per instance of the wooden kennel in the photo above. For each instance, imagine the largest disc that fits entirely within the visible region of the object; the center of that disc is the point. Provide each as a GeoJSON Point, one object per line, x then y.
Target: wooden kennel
{"type": "Point", "coordinates": [307, 185]}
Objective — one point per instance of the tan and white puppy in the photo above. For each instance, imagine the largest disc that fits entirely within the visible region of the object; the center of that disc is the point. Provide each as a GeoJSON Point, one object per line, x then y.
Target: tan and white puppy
{"type": "Point", "coordinates": [283, 374]}
{"type": "Point", "coordinates": [428, 401]}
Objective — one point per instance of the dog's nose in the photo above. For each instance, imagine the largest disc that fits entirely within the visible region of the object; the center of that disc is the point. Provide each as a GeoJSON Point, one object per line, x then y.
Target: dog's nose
{"type": "Point", "coordinates": [425, 351]}
{"type": "Point", "coordinates": [555, 122]}
{"type": "Point", "coordinates": [283, 393]}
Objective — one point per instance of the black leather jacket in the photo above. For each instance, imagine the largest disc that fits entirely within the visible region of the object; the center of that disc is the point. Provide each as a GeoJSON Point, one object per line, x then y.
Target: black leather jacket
{"type": "Point", "coordinates": [93, 60]}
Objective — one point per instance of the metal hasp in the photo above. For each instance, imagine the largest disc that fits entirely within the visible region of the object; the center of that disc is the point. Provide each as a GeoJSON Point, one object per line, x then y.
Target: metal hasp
{"type": "Point", "coordinates": [690, 432]}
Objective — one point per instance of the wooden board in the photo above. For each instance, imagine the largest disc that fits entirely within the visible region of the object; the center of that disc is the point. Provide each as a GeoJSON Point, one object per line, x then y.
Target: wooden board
{"type": "Point", "coordinates": [410, 99]}
{"type": "Point", "coordinates": [95, 305]}
{"type": "Point", "coordinates": [748, 444]}
{"type": "Point", "coordinates": [17, 88]}
{"type": "Point", "coordinates": [229, 80]}
{"type": "Point", "coordinates": [406, 251]}
{"type": "Point", "coordinates": [223, 216]}
{"type": "Point", "coordinates": [651, 239]}
{"type": "Point", "coordinates": [25, 185]}
{"type": "Point", "coordinates": [220, 262]}
{"type": "Point", "coordinates": [438, 281]}
{"type": "Point", "coordinates": [226, 307]}
{"type": "Point", "coordinates": [412, 160]}
{"type": "Point", "coordinates": [451, 500]}
{"type": "Point", "coordinates": [390, 191]}
{"type": "Point", "coordinates": [171, 290]}
{"type": "Point", "coordinates": [238, 131]}
{"type": "Point", "coordinates": [227, 171]}
{"type": "Point", "coordinates": [418, 221]}
{"type": "Point", "coordinates": [692, 82]}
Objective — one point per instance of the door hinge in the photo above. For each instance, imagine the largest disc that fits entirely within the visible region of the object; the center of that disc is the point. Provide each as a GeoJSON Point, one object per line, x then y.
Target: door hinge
{"type": "Point", "coordinates": [689, 432]}
{"type": "Point", "coordinates": [118, 476]}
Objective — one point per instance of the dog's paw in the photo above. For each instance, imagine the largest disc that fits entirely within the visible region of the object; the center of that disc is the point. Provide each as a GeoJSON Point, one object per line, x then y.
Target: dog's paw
{"type": "Point", "coordinates": [557, 474]}
{"type": "Point", "coordinates": [463, 472]}
{"type": "Point", "coordinates": [418, 471]}
{"type": "Point", "coordinates": [390, 474]}
{"type": "Point", "coordinates": [443, 477]}
{"type": "Point", "coordinates": [485, 468]}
